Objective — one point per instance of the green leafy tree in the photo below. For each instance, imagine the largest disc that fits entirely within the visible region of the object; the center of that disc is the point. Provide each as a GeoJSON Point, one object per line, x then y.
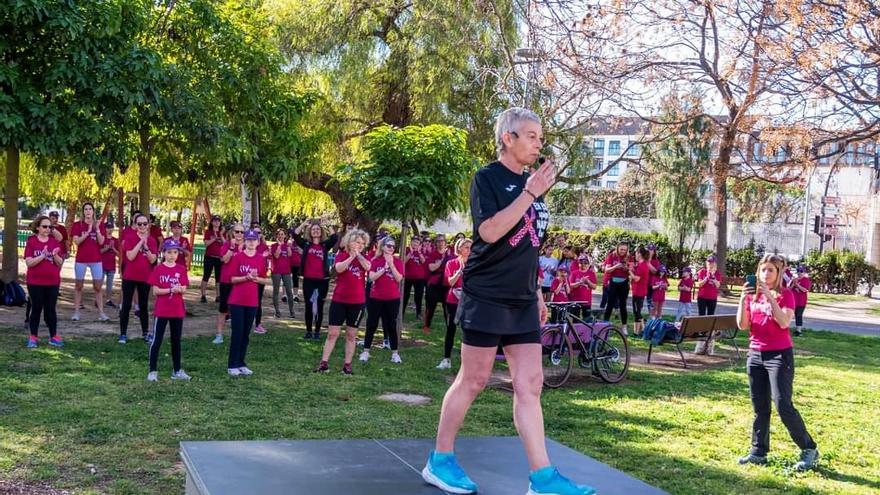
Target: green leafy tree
{"type": "Point", "coordinates": [678, 167]}
{"type": "Point", "coordinates": [62, 98]}
{"type": "Point", "coordinates": [393, 62]}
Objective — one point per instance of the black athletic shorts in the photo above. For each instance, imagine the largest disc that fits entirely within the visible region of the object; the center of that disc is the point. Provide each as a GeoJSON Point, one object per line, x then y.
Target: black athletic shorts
{"type": "Point", "coordinates": [223, 299]}
{"type": "Point", "coordinates": [345, 314]}
{"type": "Point", "coordinates": [483, 339]}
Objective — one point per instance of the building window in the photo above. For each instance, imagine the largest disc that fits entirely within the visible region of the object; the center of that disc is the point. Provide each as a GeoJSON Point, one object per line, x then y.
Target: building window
{"type": "Point", "coordinates": [613, 148]}
{"type": "Point", "coordinates": [595, 183]}
{"type": "Point", "coordinates": [614, 171]}
{"type": "Point", "coordinates": [599, 147]}
{"type": "Point", "coordinates": [597, 164]}
{"type": "Point", "coordinates": [633, 150]}
{"type": "Point", "coordinates": [611, 184]}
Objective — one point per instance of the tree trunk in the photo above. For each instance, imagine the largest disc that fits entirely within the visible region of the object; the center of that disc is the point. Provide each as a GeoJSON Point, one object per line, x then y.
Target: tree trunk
{"type": "Point", "coordinates": [143, 160]}
{"type": "Point", "coordinates": [10, 222]}
{"type": "Point", "coordinates": [719, 184]}
{"type": "Point", "coordinates": [403, 235]}
{"type": "Point", "coordinates": [349, 214]}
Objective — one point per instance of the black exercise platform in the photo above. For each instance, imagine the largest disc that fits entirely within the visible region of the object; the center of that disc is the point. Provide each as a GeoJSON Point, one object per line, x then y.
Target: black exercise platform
{"type": "Point", "coordinates": [378, 467]}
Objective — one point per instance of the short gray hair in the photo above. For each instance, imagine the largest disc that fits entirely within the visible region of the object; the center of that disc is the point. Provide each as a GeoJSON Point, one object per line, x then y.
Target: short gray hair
{"type": "Point", "coordinates": [509, 121]}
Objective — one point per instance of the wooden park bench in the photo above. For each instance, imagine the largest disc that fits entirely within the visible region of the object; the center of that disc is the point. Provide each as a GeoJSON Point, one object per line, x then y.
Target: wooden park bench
{"type": "Point", "coordinates": [700, 328]}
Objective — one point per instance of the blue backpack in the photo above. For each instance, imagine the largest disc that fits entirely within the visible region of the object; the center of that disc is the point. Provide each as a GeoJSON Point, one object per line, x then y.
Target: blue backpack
{"type": "Point", "coordinates": [14, 294]}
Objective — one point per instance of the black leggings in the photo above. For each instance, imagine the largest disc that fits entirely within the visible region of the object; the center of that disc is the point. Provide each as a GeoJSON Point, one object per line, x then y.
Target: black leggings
{"type": "Point", "coordinates": [314, 319]}
{"type": "Point", "coordinates": [387, 311]}
{"type": "Point", "coordinates": [211, 264]}
{"type": "Point", "coordinates": [638, 302]}
{"type": "Point", "coordinates": [798, 316]}
{"type": "Point", "coordinates": [242, 320]}
{"type": "Point", "coordinates": [262, 288]}
{"type": "Point", "coordinates": [43, 300]}
{"type": "Point", "coordinates": [706, 306]}
{"type": "Point", "coordinates": [143, 292]}
{"type": "Point", "coordinates": [618, 292]}
{"type": "Point", "coordinates": [419, 285]}
{"type": "Point", "coordinates": [294, 276]}
{"type": "Point", "coordinates": [176, 331]}
{"type": "Point", "coordinates": [436, 295]}
{"type": "Point", "coordinates": [451, 309]}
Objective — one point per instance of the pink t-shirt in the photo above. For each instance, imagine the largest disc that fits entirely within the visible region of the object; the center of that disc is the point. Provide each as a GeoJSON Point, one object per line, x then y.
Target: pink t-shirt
{"type": "Point", "coordinates": [562, 295]}
{"type": "Point", "coordinates": [184, 244]}
{"type": "Point", "coordinates": [452, 267]}
{"type": "Point", "coordinates": [416, 265]}
{"type": "Point", "coordinates": [296, 256]}
{"type": "Point", "coordinates": [246, 293]}
{"type": "Point", "coordinates": [659, 294]}
{"type": "Point", "coordinates": [88, 250]}
{"type": "Point", "coordinates": [640, 288]}
{"type": "Point", "coordinates": [766, 333]}
{"type": "Point", "coordinates": [313, 262]}
{"type": "Point", "coordinates": [800, 298]}
{"type": "Point", "coordinates": [350, 284]}
{"type": "Point", "coordinates": [45, 272]}
{"type": "Point", "coordinates": [582, 293]}
{"type": "Point", "coordinates": [685, 296]}
{"type": "Point", "coordinates": [64, 237]}
{"type": "Point", "coordinates": [139, 268]}
{"type": "Point", "coordinates": [225, 271]}
{"type": "Point", "coordinates": [385, 288]}
{"type": "Point", "coordinates": [281, 264]}
{"type": "Point", "coordinates": [708, 290]}
{"type": "Point", "coordinates": [613, 259]}
{"type": "Point", "coordinates": [108, 258]}
{"type": "Point", "coordinates": [214, 249]}
{"type": "Point", "coordinates": [166, 277]}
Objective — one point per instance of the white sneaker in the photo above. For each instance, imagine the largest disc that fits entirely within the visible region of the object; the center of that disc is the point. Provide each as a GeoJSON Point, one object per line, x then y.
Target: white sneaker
{"type": "Point", "coordinates": [103, 317]}
{"type": "Point", "coordinates": [395, 358]}
{"type": "Point", "coordinates": [445, 364]}
{"type": "Point", "coordinates": [364, 357]}
{"type": "Point", "coordinates": [244, 370]}
{"type": "Point", "coordinates": [181, 375]}
{"type": "Point", "coordinates": [217, 340]}
{"type": "Point", "coordinates": [153, 376]}
{"type": "Point", "coordinates": [75, 316]}
{"type": "Point", "coordinates": [625, 333]}
{"type": "Point", "coordinates": [233, 371]}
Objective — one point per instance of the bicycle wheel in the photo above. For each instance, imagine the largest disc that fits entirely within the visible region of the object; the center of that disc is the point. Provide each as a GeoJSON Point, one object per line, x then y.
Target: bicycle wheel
{"type": "Point", "coordinates": [610, 354]}
{"type": "Point", "coordinates": [556, 357]}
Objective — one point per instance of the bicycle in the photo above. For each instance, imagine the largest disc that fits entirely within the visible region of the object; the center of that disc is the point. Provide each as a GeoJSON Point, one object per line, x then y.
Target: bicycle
{"type": "Point", "coordinates": [599, 346]}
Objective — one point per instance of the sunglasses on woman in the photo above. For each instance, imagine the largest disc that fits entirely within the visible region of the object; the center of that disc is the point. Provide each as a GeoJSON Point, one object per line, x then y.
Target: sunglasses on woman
{"type": "Point", "coordinates": [45, 226]}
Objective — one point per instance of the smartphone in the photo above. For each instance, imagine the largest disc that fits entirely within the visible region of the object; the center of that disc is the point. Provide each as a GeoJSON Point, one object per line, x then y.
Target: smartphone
{"type": "Point", "coordinates": [752, 283]}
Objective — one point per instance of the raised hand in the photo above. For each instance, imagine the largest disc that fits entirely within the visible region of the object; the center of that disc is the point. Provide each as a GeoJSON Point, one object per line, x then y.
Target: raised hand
{"type": "Point", "coordinates": [543, 179]}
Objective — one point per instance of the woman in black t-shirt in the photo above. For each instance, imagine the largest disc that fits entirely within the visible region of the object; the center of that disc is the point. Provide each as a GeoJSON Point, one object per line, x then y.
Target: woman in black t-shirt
{"type": "Point", "coordinates": [501, 304]}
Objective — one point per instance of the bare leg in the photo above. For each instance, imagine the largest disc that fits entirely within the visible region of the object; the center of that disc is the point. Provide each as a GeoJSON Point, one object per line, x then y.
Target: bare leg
{"type": "Point", "coordinates": [476, 366]}
{"type": "Point", "coordinates": [330, 343]}
{"type": "Point", "coordinates": [351, 334]}
{"type": "Point", "coordinates": [221, 322]}
{"type": "Point", "coordinates": [99, 295]}
{"type": "Point", "coordinates": [524, 361]}
{"type": "Point", "coordinates": [77, 295]}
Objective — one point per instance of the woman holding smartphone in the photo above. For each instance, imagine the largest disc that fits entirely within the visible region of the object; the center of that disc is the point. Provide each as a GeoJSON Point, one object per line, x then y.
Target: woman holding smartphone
{"type": "Point", "coordinates": [766, 308]}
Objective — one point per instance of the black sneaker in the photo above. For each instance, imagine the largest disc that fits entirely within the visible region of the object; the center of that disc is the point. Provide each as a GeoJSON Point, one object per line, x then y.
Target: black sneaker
{"type": "Point", "coordinates": [295, 298]}
{"type": "Point", "coordinates": [292, 315]}
{"type": "Point", "coordinates": [308, 335]}
{"type": "Point", "coordinates": [110, 304]}
{"type": "Point", "coordinates": [798, 332]}
{"type": "Point", "coordinates": [323, 367]}
{"type": "Point", "coordinates": [316, 335]}
{"type": "Point", "coordinates": [346, 369]}
{"type": "Point", "coordinates": [283, 298]}
{"type": "Point", "coordinates": [753, 459]}
{"type": "Point", "coordinates": [809, 460]}
{"type": "Point", "coordinates": [203, 299]}
{"type": "Point", "coordinates": [278, 315]}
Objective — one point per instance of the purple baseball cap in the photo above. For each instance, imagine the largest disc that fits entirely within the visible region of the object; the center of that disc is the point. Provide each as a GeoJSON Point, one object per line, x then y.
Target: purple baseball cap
{"type": "Point", "coordinates": [251, 235]}
{"type": "Point", "coordinates": [712, 259]}
{"type": "Point", "coordinates": [686, 269]}
{"type": "Point", "coordinates": [802, 268]}
{"type": "Point", "coordinates": [170, 244]}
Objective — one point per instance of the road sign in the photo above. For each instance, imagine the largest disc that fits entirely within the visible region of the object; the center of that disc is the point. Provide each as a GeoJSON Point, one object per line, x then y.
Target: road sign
{"type": "Point", "coordinates": [830, 211]}
{"type": "Point", "coordinates": [832, 231]}
{"type": "Point", "coordinates": [831, 200]}
{"type": "Point", "coordinates": [830, 221]}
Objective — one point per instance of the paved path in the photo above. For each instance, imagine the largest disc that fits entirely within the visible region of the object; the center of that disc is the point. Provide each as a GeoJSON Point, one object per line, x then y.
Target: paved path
{"type": "Point", "coordinates": [849, 317]}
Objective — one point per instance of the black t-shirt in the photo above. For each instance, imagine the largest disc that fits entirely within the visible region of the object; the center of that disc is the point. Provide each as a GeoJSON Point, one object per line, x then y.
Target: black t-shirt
{"type": "Point", "coordinates": [503, 272]}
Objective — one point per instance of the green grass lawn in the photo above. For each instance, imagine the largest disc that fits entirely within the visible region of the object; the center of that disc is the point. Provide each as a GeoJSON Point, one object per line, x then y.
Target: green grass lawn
{"type": "Point", "coordinates": [88, 406]}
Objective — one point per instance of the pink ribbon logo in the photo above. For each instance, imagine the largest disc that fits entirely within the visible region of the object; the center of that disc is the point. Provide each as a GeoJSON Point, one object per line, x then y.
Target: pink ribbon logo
{"type": "Point", "coordinates": [527, 228]}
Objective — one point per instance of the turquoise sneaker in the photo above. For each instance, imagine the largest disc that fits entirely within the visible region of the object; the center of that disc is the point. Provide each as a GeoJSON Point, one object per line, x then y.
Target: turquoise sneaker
{"type": "Point", "coordinates": [443, 471]}
{"type": "Point", "coordinates": [548, 481]}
